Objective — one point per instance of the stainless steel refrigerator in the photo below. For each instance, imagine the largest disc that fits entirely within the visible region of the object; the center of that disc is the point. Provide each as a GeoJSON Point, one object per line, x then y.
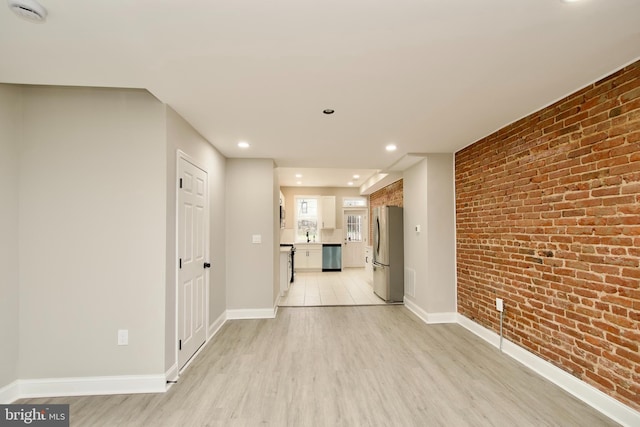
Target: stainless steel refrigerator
{"type": "Point", "coordinates": [388, 253]}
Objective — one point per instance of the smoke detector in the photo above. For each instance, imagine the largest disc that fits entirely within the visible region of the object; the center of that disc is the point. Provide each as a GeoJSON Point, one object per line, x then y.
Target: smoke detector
{"type": "Point", "coordinates": [28, 9]}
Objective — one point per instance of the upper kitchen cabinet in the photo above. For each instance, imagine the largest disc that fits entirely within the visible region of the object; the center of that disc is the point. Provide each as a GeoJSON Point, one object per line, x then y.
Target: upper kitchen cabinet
{"type": "Point", "coordinates": [282, 210]}
{"type": "Point", "coordinates": [328, 211]}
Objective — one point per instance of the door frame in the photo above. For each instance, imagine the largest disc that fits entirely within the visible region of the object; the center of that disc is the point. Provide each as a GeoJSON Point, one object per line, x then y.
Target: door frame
{"type": "Point", "coordinates": [181, 155]}
{"type": "Point", "coordinates": [365, 235]}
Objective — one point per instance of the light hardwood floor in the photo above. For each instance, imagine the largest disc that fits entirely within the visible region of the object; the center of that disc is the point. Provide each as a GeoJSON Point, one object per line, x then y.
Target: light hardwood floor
{"type": "Point", "coordinates": [347, 287]}
{"type": "Point", "coordinates": [344, 366]}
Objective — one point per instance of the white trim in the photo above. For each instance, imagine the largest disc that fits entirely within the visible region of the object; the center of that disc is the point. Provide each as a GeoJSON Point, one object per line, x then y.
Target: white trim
{"type": "Point", "coordinates": [430, 318]}
{"type": "Point", "coordinates": [455, 234]}
{"type": "Point", "coordinates": [364, 210]}
{"type": "Point", "coordinates": [479, 330]}
{"type": "Point", "coordinates": [181, 155]}
{"type": "Point", "coordinates": [87, 386]}
{"type": "Point", "coordinates": [251, 313]}
{"type": "Point", "coordinates": [211, 331]}
{"type": "Point", "coordinates": [435, 318]}
{"type": "Point", "coordinates": [101, 385]}
{"type": "Point", "coordinates": [193, 357]}
{"type": "Point", "coordinates": [216, 325]}
{"type": "Point", "coordinates": [9, 393]}
{"type": "Point", "coordinates": [172, 373]}
{"type": "Point", "coordinates": [276, 304]}
{"type": "Point", "coordinates": [593, 397]}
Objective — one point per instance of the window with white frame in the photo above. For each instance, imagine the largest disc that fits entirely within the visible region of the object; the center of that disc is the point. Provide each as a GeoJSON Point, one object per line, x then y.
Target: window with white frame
{"type": "Point", "coordinates": [307, 218]}
{"type": "Point", "coordinates": [354, 227]}
{"type": "Point", "coordinates": [354, 202]}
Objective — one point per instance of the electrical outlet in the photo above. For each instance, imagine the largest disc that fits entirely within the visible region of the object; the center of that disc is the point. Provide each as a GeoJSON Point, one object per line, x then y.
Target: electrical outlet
{"type": "Point", "coordinates": [123, 337]}
{"type": "Point", "coordinates": [499, 304]}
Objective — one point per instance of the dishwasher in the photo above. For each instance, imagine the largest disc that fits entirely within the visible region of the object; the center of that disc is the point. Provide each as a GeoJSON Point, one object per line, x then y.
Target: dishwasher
{"type": "Point", "coordinates": [332, 257]}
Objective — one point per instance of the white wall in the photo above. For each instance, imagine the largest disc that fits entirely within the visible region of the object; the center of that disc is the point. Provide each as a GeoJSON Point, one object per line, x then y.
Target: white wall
{"type": "Point", "coordinates": [10, 114]}
{"type": "Point", "coordinates": [442, 233]}
{"type": "Point", "coordinates": [416, 245]}
{"type": "Point", "coordinates": [251, 210]}
{"type": "Point", "coordinates": [182, 136]}
{"type": "Point", "coordinates": [92, 232]}
{"type": "Point", "coordinates": [429, 202]}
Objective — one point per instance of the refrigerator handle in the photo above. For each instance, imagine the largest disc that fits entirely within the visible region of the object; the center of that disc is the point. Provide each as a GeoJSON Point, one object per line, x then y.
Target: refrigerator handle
{"type": "Point", "coordinates": [377, 236]}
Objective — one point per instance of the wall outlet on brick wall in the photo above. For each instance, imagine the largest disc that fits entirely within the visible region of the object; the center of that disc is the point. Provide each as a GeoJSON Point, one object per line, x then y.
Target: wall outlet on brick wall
{"type": "Point", "coordinates": [499, 304]}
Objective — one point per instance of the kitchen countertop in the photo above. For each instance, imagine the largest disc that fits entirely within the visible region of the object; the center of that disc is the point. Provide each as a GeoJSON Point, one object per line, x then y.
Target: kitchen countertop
{"type": "Point", "coordinates": [310, 243]}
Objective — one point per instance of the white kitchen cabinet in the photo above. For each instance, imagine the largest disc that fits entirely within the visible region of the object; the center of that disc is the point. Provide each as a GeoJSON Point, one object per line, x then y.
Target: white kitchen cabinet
{"type": "Point", "coordinates": [368, 263]}
{"type": "Point", "coordinates": [328, 211]}
{"type": "Point", "coordinates": [315, 259]}
{"type": "Point", "coordinates": [282, 211]}
{"type": "Point", "coordinates": [285, 271]}
{"type": "Point", "coordinates": [308, 257]}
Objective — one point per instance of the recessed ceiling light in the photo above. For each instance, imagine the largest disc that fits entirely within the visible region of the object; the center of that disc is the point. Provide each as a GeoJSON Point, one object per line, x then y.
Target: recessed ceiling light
{"type": "Point", "coordinates": [349, 183]}
{"type": "Point", "coordinates": [356, 176]}
{"type": "Point", "coordinates": [391, 147]}
{"type": "Point", "coordinates": [298, 175]}
{"type": "Point", "coordinates": [28, 9]}
{"type": "Point", "coordinates": [243, 144]}
{"type": "Point", "coordinates": [328, 111]}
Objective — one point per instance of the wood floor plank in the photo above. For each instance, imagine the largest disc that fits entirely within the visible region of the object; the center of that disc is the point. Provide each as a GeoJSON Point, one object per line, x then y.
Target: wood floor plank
{"type": "Point", "coordinates": [344, 366]}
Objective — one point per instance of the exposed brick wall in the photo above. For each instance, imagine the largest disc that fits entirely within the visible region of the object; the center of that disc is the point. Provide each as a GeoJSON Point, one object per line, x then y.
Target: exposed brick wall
{"type": "Point", "coordinates": [548, 218]}
{"type": "Point", "coordinates": [391, 195]}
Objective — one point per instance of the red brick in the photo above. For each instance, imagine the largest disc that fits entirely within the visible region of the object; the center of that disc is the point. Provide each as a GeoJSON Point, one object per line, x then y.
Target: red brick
{"type": "Point", "coordinates": [564, 181]}
{"type": "Point", "coordinates": [605, 191]}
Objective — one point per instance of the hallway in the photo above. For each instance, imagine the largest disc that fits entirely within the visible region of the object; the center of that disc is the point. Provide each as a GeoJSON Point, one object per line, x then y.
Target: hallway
{"type": "Point", "coordinates": [347, 287]}
{"type": "Point", "coordinates": [343, 366]}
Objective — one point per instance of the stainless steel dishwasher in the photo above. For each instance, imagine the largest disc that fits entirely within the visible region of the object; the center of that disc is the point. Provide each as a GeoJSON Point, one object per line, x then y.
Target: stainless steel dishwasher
{"type": "Point", "coordinates": [332, 257]}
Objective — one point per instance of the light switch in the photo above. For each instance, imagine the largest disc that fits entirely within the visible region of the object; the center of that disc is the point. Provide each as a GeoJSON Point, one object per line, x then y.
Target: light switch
{"type": "Point", "coordinates": [257, 238]}
{"type": "Point", "coordinates": [417, 228]}
{"type": "Point", "coordinates": [123, 337]}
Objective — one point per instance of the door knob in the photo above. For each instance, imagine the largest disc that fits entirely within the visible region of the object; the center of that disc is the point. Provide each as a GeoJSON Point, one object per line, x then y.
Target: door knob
{"type": "Point", "coordinates": [207, 265]}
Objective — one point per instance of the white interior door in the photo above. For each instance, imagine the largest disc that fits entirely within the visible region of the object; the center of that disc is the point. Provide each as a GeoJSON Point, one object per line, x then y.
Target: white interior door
{"type": "Point", "coordinates": [193, 242]}
{"type": "Point", "coordinates": [355, 238]}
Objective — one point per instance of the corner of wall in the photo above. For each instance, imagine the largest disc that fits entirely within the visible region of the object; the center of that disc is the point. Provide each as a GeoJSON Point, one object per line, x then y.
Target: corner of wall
{"type": "Point", "coordinates": [251, 214]}
{"type": "Point", "coordinates": [10, 136]}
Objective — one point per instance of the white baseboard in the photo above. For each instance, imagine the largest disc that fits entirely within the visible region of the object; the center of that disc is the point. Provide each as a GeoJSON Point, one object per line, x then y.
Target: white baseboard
{"type": "Point", "coordinates": [255, 313]}
{"type": "Point", "coordinates": [430, 318]}
{"type": "Point", "coordinates": [479, 330]}
{"type": "Point", "coordinates": [216, 325]}
{"type": "Point", "coordinates": [9, 393]}
{"type": "Point", "coordinates": [85, 386]}
{"type": "Point", "coordinates": [172, 373]}
{"type": "Point", "coordinates": [593, 397]}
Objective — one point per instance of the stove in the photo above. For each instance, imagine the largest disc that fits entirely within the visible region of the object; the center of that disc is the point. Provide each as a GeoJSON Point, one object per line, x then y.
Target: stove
{"type": "Point", "coordinates": [292, 253]}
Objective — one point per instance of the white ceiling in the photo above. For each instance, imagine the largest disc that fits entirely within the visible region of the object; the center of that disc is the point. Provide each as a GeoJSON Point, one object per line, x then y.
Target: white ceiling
{"type": "Point", "coordinates": [323, 177]}
{"type": "Point", "coordinates": [430, 76]}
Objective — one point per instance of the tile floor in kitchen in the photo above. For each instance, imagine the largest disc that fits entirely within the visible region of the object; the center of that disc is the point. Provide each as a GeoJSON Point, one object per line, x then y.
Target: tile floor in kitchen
{"type": "Point", "coordinates": [347, 287]}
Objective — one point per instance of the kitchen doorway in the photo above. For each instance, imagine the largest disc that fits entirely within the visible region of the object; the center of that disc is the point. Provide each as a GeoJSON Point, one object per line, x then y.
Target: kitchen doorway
{"type": "Point", "coordinates": [351, 286]}
{"type": "Point", "coordinates": [355, 237]}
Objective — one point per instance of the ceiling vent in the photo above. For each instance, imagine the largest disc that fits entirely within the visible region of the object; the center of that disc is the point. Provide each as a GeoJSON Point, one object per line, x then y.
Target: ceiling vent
{"type": "Point", "coordinates": [28, 9]}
